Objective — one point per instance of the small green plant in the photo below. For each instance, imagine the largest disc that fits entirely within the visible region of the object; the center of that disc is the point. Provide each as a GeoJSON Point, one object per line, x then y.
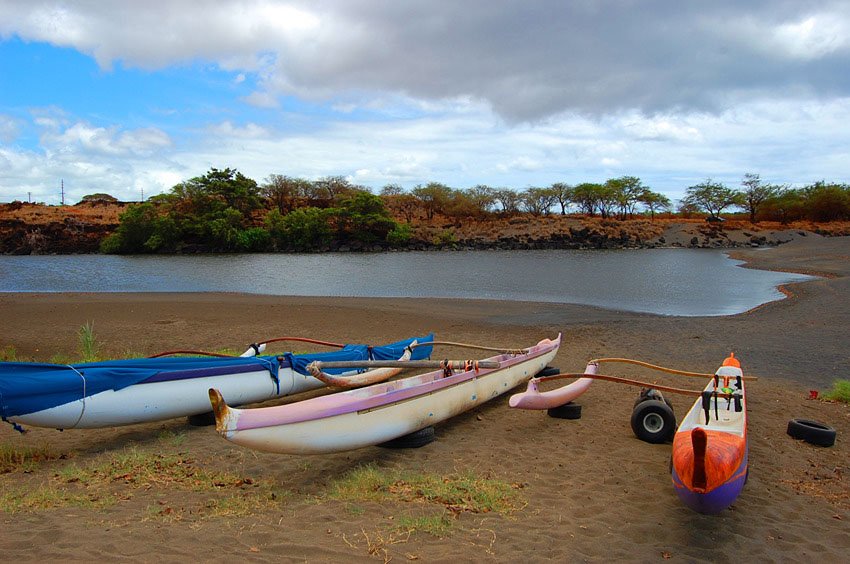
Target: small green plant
{"type": "Point", "coordinates": [9, 353]}
{"type": "Point", "coordinates": [88, 346]}
{"type": "Point", "coordinates": [24, 458]}
{"type": "Point", "coordinates": [51, 496]}
{"type": "Point", "coordinates": [436, 525]}
{"type": "Point", "coordinates": [459, 492]}
{"type": "Point", "coordinates": [840, 392]}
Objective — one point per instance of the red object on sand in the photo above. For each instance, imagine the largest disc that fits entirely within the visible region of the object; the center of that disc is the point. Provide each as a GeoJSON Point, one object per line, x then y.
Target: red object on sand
{"type": "Point", "coordinates": [813, 394]}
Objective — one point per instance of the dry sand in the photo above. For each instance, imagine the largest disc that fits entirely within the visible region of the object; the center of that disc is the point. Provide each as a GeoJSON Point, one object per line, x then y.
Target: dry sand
{"type": "Point", "coordinates": [590, 490]}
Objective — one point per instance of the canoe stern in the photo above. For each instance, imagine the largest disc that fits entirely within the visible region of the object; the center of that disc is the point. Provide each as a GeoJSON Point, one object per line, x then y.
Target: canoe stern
{"type": "Point", "coordinates": [709, 468]}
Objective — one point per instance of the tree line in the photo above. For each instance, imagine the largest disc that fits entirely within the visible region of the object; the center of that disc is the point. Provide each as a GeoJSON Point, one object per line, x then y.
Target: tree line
{"type": "Point", "coordinates": [223, 210]}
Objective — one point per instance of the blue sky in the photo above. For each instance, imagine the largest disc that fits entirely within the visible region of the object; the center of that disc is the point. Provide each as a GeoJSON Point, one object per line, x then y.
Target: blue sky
{"type": "Point", "coordinates": [503, 93]}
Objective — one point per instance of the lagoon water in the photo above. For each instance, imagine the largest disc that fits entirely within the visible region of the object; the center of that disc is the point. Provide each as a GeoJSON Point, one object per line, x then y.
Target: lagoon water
{"type": "Point", "coordinates": [684, 282]}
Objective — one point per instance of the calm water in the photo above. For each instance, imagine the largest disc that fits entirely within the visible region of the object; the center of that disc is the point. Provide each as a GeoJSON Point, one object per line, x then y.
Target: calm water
{"type": "Point", "coordinates": [667, 281]}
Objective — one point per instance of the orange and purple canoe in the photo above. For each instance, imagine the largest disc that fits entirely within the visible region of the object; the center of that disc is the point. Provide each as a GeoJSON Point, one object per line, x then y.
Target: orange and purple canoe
{"type": "Point", "coordinates": [710, 447]}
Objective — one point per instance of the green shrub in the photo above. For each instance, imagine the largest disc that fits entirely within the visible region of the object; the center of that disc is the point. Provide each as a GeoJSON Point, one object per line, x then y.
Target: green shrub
{"type": "Point", "coordinates": [840, 391]}
{"type": "Point", "coordinates": [400, 235]}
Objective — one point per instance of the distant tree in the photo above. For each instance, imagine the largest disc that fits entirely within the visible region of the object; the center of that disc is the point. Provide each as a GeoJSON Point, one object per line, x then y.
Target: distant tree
{"type": "Point", "coordinates": [756, 193]}
{"type": "Point", "coordinates": [563, 194]}
{"type": "Point", "coordinates": [285, 192]}
{"type": "Point", "coordinates": [480, 198]}
{"type": "Point", "coordinates": [653, 201]}
{"type": "Point", "coordinates": [434, 197]}
{"type": "Point", "coordinates": [827, 202]}
{"type": "Point", "coordinates": [392, 190]}
{"type": "Point", "coordinates": [586, 197]}
{"type": "Point", "coordinates": [538, 201]}
{"type": "Point", "coordinates": [509, 200]}
{"type": "Point", "coordinates": [333, 187]}
{"type": "Point", "coordinates": [625, 193]}
{"type": "Point", "coordinates": [99, 198]}
{"type": "Point", "coordinates": [219, 189]}
{"type": "Point", "coordinates": [713, 197]}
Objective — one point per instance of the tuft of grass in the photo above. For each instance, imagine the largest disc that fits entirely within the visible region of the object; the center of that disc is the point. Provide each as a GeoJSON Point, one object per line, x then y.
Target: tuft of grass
{"type": "Point", "coordinates": [15, 458]}
{"type": "Point", "coordinates": [840, 392]}
{"type": "Point", "coordinates": [172, 438]}
{"type": "Point", "coordinates": [94, 485]}
{"type": "Point", "coordinates": [9, 353]}
{"type": "Point", "coordinates": [457, 492]}
{"type": "Point", "coordinates": [437, 525]}
{"type": "Point", "coordinates": [48, 496]}
{"type": "Point", "coordinates": [88, 345]}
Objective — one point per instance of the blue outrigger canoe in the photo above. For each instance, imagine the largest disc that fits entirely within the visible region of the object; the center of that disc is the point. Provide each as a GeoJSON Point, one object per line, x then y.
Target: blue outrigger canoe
{"type": "Point", "coordinates": [125, 392]}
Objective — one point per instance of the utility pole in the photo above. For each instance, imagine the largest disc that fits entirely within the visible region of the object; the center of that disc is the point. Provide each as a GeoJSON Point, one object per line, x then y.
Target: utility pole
{"type": "Point", "coordinates": [143, 193]}
{"type": "Point", "coordinates": [62, 192]}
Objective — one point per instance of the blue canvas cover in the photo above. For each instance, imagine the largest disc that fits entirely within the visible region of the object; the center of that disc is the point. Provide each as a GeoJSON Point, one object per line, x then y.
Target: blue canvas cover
{"type": "Point", "coordinates": [393, 351]}
{"type": "Point", "coordinates": [27, 387]}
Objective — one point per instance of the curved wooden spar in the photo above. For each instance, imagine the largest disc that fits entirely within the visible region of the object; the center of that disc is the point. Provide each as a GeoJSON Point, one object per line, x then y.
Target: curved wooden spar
{"type": "Point", "coordinates": [448, 364]}
{"type": "Point", "coordinates": [364, 378]}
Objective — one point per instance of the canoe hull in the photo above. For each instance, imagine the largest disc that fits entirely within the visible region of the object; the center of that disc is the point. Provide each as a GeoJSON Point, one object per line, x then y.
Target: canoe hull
{"type": "Point", "coordinates": [710, 459]}
{"type": "Point", "coordinates": [131, 391]}
{"type": "Point", "coordinates": [719, 498]}
{"type": "Point", "coordinates": [392, 410]}
{"type": "Point", "coordinates": [157, 401]}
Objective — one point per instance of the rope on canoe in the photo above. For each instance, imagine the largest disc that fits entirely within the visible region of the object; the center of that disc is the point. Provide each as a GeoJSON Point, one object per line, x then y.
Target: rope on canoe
{"type": "Point", "coordinates": [662, 368]}
{"type": "Point", "coordinates": [253, 345]}
{"type": "Point", "coordinates": [302, 340]}
{"type": "Point", "coordinates": [471, 346]}
{"type": "Point", "coordinates": [196, 353]}
{"type": "Point", "coordinates": [629, 382]}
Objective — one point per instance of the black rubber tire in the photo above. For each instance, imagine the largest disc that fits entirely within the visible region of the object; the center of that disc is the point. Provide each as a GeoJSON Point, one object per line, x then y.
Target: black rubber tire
{"type": "Point", "coordinates": [647, 394]}
{"type": "Point", "coordinates": [813, 432]}
{"type": "Point", "coordinates": [201, 419]}
{"type": "Point", "coordinates": [548, 371]}
{"type": "Point", "coordinates": [569, 410]}
{"type": "Point", "coordinates": [415, 439]}
{"type": "Point", "coordinates": [653, 422]}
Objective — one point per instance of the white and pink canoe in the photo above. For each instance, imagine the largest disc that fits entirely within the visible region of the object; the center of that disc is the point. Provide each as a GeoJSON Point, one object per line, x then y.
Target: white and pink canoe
{"type": "Point", "coordinates": [378, 413]}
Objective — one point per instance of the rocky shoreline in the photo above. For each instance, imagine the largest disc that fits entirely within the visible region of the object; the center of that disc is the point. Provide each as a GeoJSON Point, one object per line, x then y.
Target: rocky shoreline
{"type": "Point", "coordinates": [28, 229]}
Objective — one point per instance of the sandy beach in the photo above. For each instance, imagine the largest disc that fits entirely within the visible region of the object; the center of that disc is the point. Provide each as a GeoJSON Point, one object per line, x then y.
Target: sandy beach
{"type": "Point", "coordinates": [586, 489]}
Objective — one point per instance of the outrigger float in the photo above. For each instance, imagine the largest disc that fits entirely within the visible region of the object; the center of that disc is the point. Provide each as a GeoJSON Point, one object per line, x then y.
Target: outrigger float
{"type": "Point", "coordinates": [709, 463]}
{"type": "Point", "coordinates": [381, 412]}
{"type": "Point", "coordinates": [124, 392]}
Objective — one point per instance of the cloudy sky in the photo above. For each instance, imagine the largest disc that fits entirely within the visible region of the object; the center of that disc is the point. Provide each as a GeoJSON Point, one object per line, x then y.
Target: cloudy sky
{"type": "Point", "coordinates": [133, 97]}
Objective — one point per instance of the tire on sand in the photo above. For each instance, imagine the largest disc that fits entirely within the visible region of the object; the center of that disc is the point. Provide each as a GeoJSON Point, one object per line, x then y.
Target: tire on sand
{"type": "Point", "coordinates": [548, 371]}
{"type": "Point", "coordinates": [653, 421]}
{"type": "Point", "coordinates": [813, 432]}
{"type": "Point", "coordinates": [569, 410]}
{"type": "Point", "coordinates": [201, 419]}
{"type": "Point", "coordinates": [415, 439]}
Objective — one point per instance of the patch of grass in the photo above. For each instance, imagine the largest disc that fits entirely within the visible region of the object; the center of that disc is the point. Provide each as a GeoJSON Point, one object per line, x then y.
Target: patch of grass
{"type": "Point", "coordinates": [15, 458]}
{"type": "Point", "coordinates": [60, 358]}
{"type": "Point", "coordinates": [88, 345]}
{"type": "Point", "coordinates": [93, 485]}
{"type": "Point", "coordinates": [172, 438]}
{"type": "Point", "coordinates": [9, 353]}
{"type": "Point", "coordinates": [457, 492]}
{"type": "Point", "coordinates": [840, 392]}
{"type": "Point", "coordinates": [437, 525]}
{"type": "Point", "coordinates": [49, 496]}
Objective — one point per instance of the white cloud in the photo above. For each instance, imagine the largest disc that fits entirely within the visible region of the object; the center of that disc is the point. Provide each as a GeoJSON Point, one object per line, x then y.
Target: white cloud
{"type": "Point", "coordinates": [812, 37]}
{"type": "Point", "coordinates": [9, 128]}
{"type": "Point", "coordinates": [564, 57]}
